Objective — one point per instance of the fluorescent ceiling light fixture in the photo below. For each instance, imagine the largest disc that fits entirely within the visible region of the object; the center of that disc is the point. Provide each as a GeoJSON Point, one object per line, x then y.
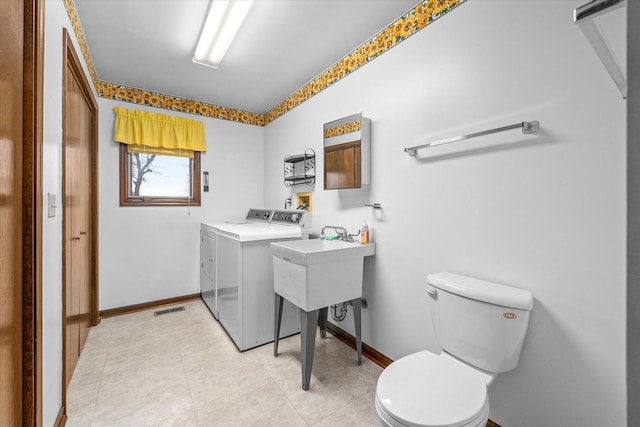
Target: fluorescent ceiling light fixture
{"type": "Point", "coordinates": [223, 21]}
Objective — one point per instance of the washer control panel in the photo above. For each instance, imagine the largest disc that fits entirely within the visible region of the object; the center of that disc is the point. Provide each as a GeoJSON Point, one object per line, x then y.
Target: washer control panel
{"type": "Point", "coordinates": [289, 217]}
{"type": "Point", "coordinates": [297, 218]}
{"type": "Point", "coordinates": [261, 215]}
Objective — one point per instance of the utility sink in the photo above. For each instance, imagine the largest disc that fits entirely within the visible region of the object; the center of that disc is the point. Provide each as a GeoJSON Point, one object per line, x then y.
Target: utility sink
{"type": "Point", "coordinates": [316, 273]}
{"type": "Point", "coordinates": [313, 275]}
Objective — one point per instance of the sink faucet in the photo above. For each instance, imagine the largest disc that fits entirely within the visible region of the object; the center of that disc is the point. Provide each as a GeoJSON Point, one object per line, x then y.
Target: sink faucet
{"type": "Point", "coordinates": [342, 232]}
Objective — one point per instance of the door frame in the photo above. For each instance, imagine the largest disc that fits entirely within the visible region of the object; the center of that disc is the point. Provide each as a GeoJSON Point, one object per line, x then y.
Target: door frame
{"type": "Point", "coordinates": [71, 60]}
{"type": "Point", "coordinates": [30, 248]}
{"type": "Point", "coordinates": [32, 129]}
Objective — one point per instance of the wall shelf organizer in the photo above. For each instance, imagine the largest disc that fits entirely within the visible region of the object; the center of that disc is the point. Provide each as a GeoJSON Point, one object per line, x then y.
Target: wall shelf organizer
{"type": "Point", "coordinates": [300, 168]}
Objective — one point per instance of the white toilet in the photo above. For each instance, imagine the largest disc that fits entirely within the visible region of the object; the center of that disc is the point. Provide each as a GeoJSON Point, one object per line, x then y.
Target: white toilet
{"type": "Point", "coordinates": [480, 327]}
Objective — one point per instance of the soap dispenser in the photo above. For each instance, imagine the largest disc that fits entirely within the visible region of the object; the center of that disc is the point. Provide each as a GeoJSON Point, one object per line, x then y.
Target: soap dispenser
{"type": "Point", "coordinates": [364, 234]}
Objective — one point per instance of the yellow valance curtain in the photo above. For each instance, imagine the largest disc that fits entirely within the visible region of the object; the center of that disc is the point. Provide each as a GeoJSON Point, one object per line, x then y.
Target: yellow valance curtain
{"type": "Point", "coordinates": [153, 133]}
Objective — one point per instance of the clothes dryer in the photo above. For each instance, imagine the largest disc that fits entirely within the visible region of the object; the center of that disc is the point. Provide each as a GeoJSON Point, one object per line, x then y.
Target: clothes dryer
{"type": "Point", "coordinates": [241, 296]}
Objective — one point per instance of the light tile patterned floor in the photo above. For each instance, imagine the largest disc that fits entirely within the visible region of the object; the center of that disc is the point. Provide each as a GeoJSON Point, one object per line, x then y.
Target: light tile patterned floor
{"type": "Point", "coordinates": [182, 369]}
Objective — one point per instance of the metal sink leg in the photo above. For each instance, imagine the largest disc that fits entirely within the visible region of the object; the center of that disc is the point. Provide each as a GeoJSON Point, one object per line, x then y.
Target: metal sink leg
{"type": "Point", "coordinates": [277, 321]}
{"type": "Point", "coordinates": [357, 320]}
{"type": "Point", "coordinates": [322, 321]}
{"type": "Point", "coordinates": [308, 326]}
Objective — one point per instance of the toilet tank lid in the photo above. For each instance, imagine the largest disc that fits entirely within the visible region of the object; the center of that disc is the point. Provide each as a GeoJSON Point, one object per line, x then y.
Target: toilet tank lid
{"type": "Point", "coordinates": [481, 290]}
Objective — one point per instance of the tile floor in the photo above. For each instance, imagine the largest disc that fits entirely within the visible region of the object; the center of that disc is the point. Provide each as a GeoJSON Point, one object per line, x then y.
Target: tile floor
{"type": "Point", "coordinates": [182, 369]}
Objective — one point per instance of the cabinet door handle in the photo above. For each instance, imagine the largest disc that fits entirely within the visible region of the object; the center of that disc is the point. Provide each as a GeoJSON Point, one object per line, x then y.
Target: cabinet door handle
{"type": "Point", "coordinates": [75, 238]}
{"type": "Point", "coordinates": [83, 233]}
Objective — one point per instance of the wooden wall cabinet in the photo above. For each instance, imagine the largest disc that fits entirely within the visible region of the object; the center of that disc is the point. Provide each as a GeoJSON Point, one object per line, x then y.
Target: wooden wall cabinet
{"type": "Point", "coordinates": [347, 153]}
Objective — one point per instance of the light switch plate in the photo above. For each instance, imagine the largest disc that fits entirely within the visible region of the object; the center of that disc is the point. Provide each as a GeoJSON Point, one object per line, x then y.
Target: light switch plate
{"type": "Point", "coordinates": [51, 205]}
{"type": "Point", "coordinates": [205, 180]}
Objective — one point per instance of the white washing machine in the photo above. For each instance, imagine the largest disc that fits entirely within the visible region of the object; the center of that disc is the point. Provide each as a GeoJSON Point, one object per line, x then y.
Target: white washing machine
{"type": "Point", "coordinates": [236, 275]}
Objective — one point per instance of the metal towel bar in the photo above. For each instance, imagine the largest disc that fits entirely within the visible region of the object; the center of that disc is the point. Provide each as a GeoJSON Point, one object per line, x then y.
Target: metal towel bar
{"type": "Point", "coordinates": [527, 127]}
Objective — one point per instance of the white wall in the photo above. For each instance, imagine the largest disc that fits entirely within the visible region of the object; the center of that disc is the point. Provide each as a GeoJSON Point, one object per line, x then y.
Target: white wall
{"type": "Point", "coordinates": [542, 212]}
{"type": "Point", "coordinates": [152, 253]}
{"type": "Point", "coordinates": [56, 19]}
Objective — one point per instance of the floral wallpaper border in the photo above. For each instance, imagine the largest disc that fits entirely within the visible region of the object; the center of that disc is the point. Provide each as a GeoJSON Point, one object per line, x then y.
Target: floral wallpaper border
{"type": "Point", "coordinates": [421, 15]}
{"type": "Point", "coordinates": [342, 129]}
{"type": "Point", "coordinates": [159, 100]}
{"type": "Point", "coordinates": [77, 29]}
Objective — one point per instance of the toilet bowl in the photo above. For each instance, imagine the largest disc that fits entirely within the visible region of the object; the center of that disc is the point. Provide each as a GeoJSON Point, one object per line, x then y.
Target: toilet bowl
{"type": "Point", "coordinates": [480, 327]}
{"type": "Point", "coordinates": [429, 390]}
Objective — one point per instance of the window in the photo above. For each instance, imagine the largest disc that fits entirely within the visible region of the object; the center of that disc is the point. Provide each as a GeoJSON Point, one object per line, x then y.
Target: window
{"type": "Point", "coordinates": [158, 180]}
{"type": "Point", "coordinates": [159, 158]}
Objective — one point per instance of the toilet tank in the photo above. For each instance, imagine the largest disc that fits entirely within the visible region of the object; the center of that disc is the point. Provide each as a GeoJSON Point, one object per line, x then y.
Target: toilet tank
{"type": "Point", "coordinates": [481, 323]}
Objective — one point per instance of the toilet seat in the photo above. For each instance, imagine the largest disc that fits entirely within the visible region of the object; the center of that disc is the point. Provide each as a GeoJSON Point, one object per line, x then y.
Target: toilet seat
{"type": "Point", "coordinates": [385, 420]}
{"type": "Point", "coordinates": [425, 389]}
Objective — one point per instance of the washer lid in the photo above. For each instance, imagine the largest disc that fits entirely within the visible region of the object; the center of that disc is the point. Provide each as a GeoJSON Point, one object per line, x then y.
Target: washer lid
{"type": "Point", "coordinates": [253, 231]}
{"type": "Point", "coordinates": [427, 389]}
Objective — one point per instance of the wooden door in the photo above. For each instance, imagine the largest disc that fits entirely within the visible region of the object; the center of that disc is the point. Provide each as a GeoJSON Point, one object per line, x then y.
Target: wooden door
{"type": "Point", "coordinates": [11, 44]}
{"type": "Point", "coordinates": [79, 130]}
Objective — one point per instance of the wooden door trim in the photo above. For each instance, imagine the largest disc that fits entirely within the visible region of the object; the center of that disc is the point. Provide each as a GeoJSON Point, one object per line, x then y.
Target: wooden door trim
{"type": "Point", "coordinates": [32, 125]}
{"type": "Point", "coordinates": [71, 61]}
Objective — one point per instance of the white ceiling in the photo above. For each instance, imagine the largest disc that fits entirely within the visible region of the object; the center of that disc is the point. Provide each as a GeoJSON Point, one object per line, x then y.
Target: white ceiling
{"type": "Point", "coordinates": [283, 44]}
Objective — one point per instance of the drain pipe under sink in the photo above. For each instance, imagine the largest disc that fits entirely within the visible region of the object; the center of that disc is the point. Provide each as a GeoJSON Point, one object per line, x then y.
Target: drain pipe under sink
{"type": "Point", "coordinates": [343, 309]}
